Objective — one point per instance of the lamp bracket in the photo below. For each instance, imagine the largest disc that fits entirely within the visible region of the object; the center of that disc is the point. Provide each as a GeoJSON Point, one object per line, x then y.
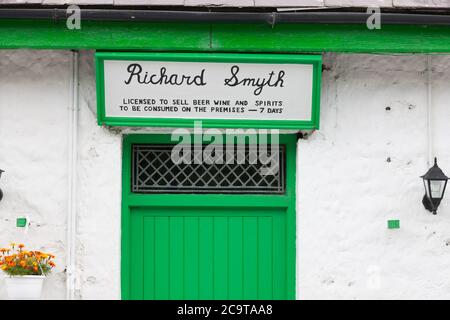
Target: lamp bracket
{"type": "Point", "coordinates": [429, 205]}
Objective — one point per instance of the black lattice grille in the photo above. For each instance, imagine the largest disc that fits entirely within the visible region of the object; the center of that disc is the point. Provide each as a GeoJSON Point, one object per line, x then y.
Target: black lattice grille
{"type": "Point", "coordinates": [153, 171]}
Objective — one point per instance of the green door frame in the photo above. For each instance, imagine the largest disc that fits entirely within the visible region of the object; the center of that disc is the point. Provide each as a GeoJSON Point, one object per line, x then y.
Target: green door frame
{"type": "Point", "coordinates": [130, 200]}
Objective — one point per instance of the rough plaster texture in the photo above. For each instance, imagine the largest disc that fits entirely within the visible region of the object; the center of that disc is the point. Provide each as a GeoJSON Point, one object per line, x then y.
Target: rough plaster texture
{"type": "Point", "coordinates": [422, 3]}
{"type": "Point", "coordinates": [358, 3]}
{"type": "Point", "coordinates": [248, 3]}
{"type": "Point", "coordinates": [368, 159]}
{"type": "Point", "coordinates": [99, 193]}
{"type": "Point", "coordinates": [33, 148]}
{"type": "Point", "coordinates": [361, 169]}
{"type": "Point", "coordinates": [34, 101]}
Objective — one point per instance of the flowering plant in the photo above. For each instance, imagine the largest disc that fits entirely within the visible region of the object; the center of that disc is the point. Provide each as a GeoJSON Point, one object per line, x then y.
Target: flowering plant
{"type": "Point", "coordinates": [16, 261]}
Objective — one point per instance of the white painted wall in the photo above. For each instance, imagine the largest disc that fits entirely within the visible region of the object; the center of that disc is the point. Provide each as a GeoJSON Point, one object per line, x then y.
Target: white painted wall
{"type": "Point", "coordinates": [33, 147]}
{"type": "Point", "coordinates": [344, 247]}
{"type": "Point", "coordinates": [34, 102]}
{"type": "Point", "coordinates": [347, 190]}
{"type": "Point", "coordinates": [99, 196]}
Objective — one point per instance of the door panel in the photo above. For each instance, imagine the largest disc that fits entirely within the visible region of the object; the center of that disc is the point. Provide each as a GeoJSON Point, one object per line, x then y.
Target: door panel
{"type": "Point", "coordinates": [231, 237]}
{"type": "Point", "coordinates": [208, 253]}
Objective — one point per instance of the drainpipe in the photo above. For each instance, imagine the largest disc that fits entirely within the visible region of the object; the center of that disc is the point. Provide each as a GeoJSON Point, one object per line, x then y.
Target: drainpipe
{"type": "Point", "coordinates": [210, 16]}
{"type": "Point", "coordinates": [429, 113]}
{"type": "Point", "coordinates": [72, 178]}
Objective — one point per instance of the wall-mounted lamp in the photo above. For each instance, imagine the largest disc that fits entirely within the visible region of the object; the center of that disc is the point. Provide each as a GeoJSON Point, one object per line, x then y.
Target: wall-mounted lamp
{"type": "Point", "coordinates": [435, 182]}
{"type": "Point", "coordinates": [1, 192]}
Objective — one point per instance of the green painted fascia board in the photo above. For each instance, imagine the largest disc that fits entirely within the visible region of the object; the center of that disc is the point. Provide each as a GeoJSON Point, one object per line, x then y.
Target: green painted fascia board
{"type": "Point", "coordinates": [331, 38]}
{"type": "Point", "coordinates": [224, 37]}
{"type": "Point", "coordinates": [103, 35]}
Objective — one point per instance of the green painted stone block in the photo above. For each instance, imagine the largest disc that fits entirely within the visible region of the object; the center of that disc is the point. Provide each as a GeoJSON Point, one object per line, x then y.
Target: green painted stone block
{"type": "Point", "coordinates": [393, 224]}
{"type": "Point", "coordinates": [21, 222]}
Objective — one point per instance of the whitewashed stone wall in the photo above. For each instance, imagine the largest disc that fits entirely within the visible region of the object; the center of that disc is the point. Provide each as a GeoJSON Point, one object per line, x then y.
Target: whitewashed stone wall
{"type": "Point", "coordinates": [34, 102]}
{"type": "Point", "coordinates": [99, 196]}
{"type": "Point", "coordinates": [33, 147]}
{"type": "Point", "coordinates": [361, 169]}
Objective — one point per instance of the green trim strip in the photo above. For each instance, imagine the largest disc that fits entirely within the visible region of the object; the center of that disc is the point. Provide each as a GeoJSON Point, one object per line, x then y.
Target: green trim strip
{"type": "Point", "coordinates": [223, 37]}
{"type": "Point", "coordinates": [314, 60]}
{"type": "Point", "coordinates": [43, 34]}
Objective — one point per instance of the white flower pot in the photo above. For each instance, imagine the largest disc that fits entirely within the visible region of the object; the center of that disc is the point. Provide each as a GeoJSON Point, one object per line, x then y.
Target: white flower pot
{"type": "Point", "coordinates": [24, 287]}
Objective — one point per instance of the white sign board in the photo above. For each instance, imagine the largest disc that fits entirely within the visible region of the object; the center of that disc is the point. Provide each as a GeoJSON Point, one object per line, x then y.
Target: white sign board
{"type": "Point", "coordinates": [140, 89]}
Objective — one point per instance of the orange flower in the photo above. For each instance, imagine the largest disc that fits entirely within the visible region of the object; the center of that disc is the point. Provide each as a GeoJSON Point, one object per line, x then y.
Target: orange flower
{"type": "Point", "coordinates": [36, 261]}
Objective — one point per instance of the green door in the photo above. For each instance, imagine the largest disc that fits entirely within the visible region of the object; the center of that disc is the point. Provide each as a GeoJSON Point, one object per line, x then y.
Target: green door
{"type": "Point", "coordinates": [207, 246]}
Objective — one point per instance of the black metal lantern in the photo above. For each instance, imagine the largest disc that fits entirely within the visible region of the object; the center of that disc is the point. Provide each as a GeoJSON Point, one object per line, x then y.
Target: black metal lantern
{"type": "Point", "coordinates": [1, 192]}
{"type": "Point", "coordinates": [435, 182]}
